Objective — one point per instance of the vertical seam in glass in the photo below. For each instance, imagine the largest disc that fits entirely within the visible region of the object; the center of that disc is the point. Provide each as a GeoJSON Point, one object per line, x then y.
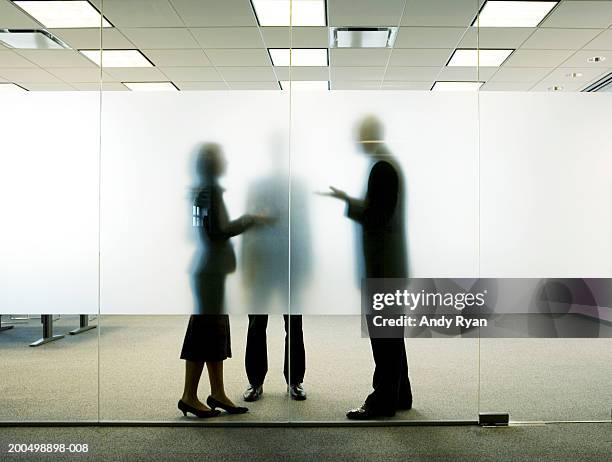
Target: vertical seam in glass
{"type": "Point", "coordinates": [289, 209]}
{"type": "Point", "coordinates": [100, 197]}
{"type": "Point", "coordinates": [478, 221]}
{"type": "Point", "coordinates": [399, 25]}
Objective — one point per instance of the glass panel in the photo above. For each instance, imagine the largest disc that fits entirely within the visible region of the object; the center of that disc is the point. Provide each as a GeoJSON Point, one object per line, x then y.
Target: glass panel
{"type": "Point", "coordinates": [545, 214]}
{"type": "Point", "coordinates": [180, 169]}
{"type": "Point", "coordinates": [49, 156]}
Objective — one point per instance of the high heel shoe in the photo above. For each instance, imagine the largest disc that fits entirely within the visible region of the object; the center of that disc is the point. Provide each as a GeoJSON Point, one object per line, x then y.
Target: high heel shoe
{"type": "Point", "coordinates": [214, 403]}
{"type": "Point", "coordinates": [201, 413]}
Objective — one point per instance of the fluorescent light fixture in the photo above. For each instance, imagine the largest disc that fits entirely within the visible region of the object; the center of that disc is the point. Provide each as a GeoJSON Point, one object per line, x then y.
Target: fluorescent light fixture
{"type": "Point", "coordinates": [290, 12]}
{"type": "Point", "coordinates": [118, 58]}
{"type": "Point", "coordinates": [63, 14]}
{"type": "Point", "coordinates": [10, 88]}
{"type": "Point", "coordinates": [513, 13]}
{"type": "Point", "coordinates": [150, 86]}
{"type": "Point", "coordinates": [304, 85]}
{"type": "Point", "coordinates": [31, 39]}
{"type": "Point", "coordinates": [299, 56]}
{"type": "Point", "coordinates": [362, 37]}
{"type": "Point", "coordinates": [456, 86]}
{"type": "Point", "coordinates": [482, 57]}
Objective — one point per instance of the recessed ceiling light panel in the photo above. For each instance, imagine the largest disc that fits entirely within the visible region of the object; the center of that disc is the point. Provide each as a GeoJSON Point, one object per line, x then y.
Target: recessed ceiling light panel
{"type": "Point", "coordinates": [150, 86]}
{"type": "Point", "coordinates": [304, 85]}
{"type": "Point", "coordinates": [63, 14]}
{"type": "Point", "coordinates": [290, 12]}
{"type": "Point", "coordinates": [299, 56]}
{"type": "Point", "coordinates": [482, 57]}
{"type": "Point", "coordinates": [456, 86]}
{"type": "Point", "coordinates": [10, 88]}
{"type": "Point", "coordinates": [118, 58]}
{"type": "Point", "coordinates": [362, 37]}
{"type": "Point", "coordinates": [31, 39]}
{"type": "Point", "coordinates": [513, 13]}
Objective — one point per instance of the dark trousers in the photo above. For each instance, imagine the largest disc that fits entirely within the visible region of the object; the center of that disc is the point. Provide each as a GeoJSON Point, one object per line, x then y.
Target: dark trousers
{"type": "Point", "coordinates": [391, 383]}
{"type": "Point", "coordinates": [256, 358]}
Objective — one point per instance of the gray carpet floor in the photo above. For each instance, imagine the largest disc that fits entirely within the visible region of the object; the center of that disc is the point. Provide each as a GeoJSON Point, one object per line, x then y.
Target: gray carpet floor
{"type": "Point", "coordinates": [128, 369]}
{"type": "Point", "coordinates": [554, 442]}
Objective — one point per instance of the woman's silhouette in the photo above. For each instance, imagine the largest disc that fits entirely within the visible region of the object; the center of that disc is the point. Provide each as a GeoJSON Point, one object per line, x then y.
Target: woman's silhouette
{"type": "Point", "coordinates": [207, 340]}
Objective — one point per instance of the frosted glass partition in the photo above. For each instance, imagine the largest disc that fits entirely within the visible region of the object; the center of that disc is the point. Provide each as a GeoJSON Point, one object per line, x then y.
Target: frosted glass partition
{"type": "Point", "coordinates": [149, 148]}
{"type": "Point", "coordinates": [546, 189]}
{"type": "Point", "coordinates": [433, 137]}
{"type": "Point", "coordinates": [49, 153]}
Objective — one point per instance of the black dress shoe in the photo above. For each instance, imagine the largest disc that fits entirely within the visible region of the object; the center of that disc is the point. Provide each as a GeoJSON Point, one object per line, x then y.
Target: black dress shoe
{"type": "Point", "coordinates": [215, 403]}
{"type": "Point", "coordinates": [368, 413]}
{"type": "Point", "coordinates": [202, 414]}
{"type": "Point", "coordinates": [253, 393]}
{"type": "Point", "coordinates": [297, 392]}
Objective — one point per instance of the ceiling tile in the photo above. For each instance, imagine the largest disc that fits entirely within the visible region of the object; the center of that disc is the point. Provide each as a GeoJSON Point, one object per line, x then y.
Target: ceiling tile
{"type": "Point", "coordinates": [48, 87]}
{"type": "Point", "coordinates": [161, 38]}
{"type": "Point", "coordinates": [28, 75]}
{"type": "Point", "coordinates": [228, 37]}
{"type": "Point", "coordinates": [575, 75]}
{"type": "Point", "coordinates": [107, 86]}
{"type": "Point", "coordinates": [428, 37]}
{"type": "Point", "coordinates": [90, 38]}
{"type": "Point", "coordinates": [364, 12]}
{"type": "Point", "coordinates": [537, 58]}
{"type": "Point", "coordinates": [238, 57]}
{"type": "Point", "coordinates": [547, 85]}
{"type": "Point", "coordinates": [215, 13]}
{"type": "Point", "coordinates": [439, 12]}
{"type": "Point", "coordinates": [57, 58]}
{"type": "Point", "coordinates": [197, 86]}
{"type": "Point", "coordinates": [597, 14]}
{"type": "Point", "coordinates": [561, 39]}
{"type": "Point", "coordinates": [302, 73]}
{"type": "Point", "coordinates": [140, 13]}
{"type": "Point", "coordinates": [12, 17]}
{"type": "Point", "coordinates": [461, 73]}
{"type": "Point", "coordinates": [9, 58]}
{"type": "Point", "coordinates": [78, 74]}
{"type": "Point", "coordinates": [496, 37]}
{"type": "Point", "coordinates": [419, 86]}
{"type": "Point", "coordinates": [177, 58]}
{"type": "Point", "coordinates": [420, 57]}
{"type": "Point", "coordinates": [296, 37]}
{"type": "Point", "coordinates": [248, 74]}
{"type": "Point", "coordinates": [357, 73]}
{"type": "Point", "coordinates": [192, 74]}
{"type": "Point", "coordinates": [359, 57]}
{"type": "Point", "coordinates": [135, 74]}
{"type": "Point", "coordinates": [254, 85]}
{"type": "Point", "coordinates": [520, 74]}
{"type": "Point", "coordinates": [580, 59]}
{"type": "Point", "coordinates": [417, 74]}
{"type": "Point", "coordinates": [601, 42]}
{"type": "Point", "coordinates": [506, 86]}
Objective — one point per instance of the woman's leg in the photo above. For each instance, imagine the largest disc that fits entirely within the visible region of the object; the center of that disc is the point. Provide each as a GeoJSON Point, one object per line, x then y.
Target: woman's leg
{"type": "Point", "coordinates": [193, 372]}
{"type": "Point", "coordinates": [215, 375]}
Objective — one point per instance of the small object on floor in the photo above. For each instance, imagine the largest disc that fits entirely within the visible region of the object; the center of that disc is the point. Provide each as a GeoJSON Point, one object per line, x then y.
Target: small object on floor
{"type": "Point", "coordinates": [368, 413]}
{"type": "Point", "coordinates": [253, 393]}
{"type": "Point", "coordinates": [297, 392]}
{"type": "Point", "coordinates": [215, 403]}
{"type": "Point", "coordinates": [200, 413]}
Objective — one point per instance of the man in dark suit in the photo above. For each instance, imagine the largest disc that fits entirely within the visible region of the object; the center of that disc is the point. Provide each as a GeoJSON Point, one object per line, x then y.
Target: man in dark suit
{"type": "Point", "coordinates": [381, 216]}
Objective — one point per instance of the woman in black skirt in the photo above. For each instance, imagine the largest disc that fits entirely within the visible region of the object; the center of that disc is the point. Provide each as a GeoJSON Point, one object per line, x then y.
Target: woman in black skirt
{"type": "Point", "coordinates": [207, 339]}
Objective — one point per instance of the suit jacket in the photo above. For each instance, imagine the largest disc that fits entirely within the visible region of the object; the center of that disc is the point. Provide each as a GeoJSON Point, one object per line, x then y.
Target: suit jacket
{"type": "Point", "coordinates": [215, 230]}
{"type": "Point", "coordinates": [381, 215]}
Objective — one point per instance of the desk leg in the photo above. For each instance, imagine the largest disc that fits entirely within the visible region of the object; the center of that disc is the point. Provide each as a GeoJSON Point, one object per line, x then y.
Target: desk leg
{"type": "Point", "coordinates": [47, 322]}
{"type": "Point", "coordinates": [83, 325]}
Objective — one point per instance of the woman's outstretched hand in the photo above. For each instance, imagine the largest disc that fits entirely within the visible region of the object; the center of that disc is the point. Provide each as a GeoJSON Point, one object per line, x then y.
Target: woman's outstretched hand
{"type": "Point", "coordinates": [335, 192]}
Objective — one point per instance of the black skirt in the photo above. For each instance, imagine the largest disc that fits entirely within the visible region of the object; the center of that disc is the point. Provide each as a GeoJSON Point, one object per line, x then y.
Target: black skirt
{"type": "Point", "coordinates": [208, 332]}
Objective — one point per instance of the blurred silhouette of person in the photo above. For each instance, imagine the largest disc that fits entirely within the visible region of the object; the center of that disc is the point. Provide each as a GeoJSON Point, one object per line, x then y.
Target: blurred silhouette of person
{"type": "Point", "coordinates": [381, 218]}
{"type": "Point", "coordinates": [207, 340]}
{"type": "Point", "coordinates": [265, 257]}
